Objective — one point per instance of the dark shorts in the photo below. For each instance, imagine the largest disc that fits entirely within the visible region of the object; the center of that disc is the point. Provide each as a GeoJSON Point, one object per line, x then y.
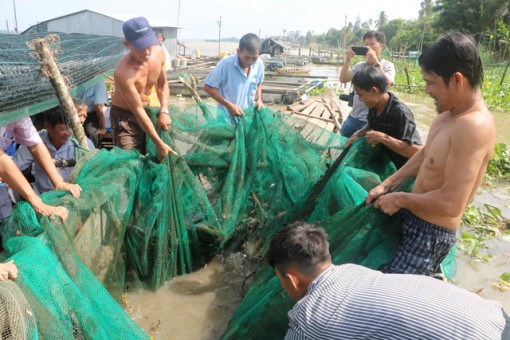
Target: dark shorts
{"type": "Point", "coordinates": [126, 132]}
{"type": "Point", "coordinates": [423, 247]}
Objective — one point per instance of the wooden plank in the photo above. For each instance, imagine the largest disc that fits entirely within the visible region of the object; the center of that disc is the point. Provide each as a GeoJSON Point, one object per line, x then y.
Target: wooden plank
{"type": "Point", "coordinates": [309, 108]}
{"type": "Point", "coordinates": [317, 110]}
{"type": "Point", "coordinates": [300, 105]}
{"type": "Point", "coordinates": [311, 117]}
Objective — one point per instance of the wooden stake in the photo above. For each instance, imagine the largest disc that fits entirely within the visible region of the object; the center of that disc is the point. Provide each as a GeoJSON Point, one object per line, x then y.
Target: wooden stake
{"type": "Point", "coordinates": [50, 69]}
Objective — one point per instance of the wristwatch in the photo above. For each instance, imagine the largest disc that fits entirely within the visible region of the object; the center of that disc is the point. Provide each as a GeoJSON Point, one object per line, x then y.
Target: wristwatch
{"type": "Point", "coordinates": [164, 111]}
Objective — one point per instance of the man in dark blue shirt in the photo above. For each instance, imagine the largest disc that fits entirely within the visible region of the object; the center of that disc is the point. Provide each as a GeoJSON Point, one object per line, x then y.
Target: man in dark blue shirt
{"type": "Point", "coordinates": [390, 122]}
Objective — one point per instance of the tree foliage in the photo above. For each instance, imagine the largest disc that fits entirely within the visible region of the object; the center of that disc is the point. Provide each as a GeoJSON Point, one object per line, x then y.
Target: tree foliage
{"type": "Point", "coordinates": [488, 20]}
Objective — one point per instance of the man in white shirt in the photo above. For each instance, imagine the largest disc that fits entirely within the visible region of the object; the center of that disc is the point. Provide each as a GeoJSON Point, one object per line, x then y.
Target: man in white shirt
{"type": "Point", "coordinates": [57, 138]}
{"type": "Point", "coordinates": [24, 133]}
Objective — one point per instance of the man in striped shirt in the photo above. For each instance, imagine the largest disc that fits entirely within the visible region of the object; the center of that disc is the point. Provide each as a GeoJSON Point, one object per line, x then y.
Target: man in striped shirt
{"type": "Point", "coordinates": [351, 301]}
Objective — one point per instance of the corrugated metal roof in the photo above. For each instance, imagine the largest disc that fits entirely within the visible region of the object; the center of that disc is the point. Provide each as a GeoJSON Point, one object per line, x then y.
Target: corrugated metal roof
{"type": "Point", "coordinates": [126, 16]}
{"type": "Point", "coordinates": [118, 16]}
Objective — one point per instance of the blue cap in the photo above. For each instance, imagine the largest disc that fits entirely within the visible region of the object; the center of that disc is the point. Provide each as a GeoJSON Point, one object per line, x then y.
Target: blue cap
{"type": "Point", "coordinates": [139, 33]}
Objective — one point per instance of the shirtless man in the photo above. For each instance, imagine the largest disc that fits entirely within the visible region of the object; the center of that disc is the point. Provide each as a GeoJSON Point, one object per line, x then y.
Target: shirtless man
{"type": "Point", "coordinates": [136, 73]}
{"type": "Point", "coordinates": [450, 167]}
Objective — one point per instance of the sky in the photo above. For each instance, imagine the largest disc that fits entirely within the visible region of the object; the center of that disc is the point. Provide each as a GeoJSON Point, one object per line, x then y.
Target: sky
{"type": "Point", "coordinates": [198, 19]}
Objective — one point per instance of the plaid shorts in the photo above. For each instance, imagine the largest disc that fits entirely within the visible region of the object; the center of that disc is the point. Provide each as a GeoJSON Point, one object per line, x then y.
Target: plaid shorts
{"type": "Point", "coordinates": [422, 249]}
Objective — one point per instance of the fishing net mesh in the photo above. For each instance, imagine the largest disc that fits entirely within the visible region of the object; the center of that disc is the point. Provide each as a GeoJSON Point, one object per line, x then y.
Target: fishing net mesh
{"type": "Point", "coordinates": [80, 58]}
{"type": "Point", "coordinates": [140, 223]}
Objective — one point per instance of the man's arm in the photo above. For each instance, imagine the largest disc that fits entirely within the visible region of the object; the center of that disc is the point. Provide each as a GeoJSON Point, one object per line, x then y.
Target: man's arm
{"type": "Point", "coordinates": [215, 94]}
{"type": "Point", "coordinates": [409, 170]}
{"type": "Point", "coordinates": [360, 133]}
{"type": "Point", "coordinates": [163, 93]}
{"type": "Point", "coordinates": [133, 100]}
{"type": "Point", "coordinates": [258, 97]}
{"type": "Point", "coordinates": [401, 147]}
{"type": "Point", "coordinates": [14, 178]}
{"type": "Point", "coordinates": [101, 131]}
{"type": "Point", "coordinates": [345, 73]}
{"type": "Point", "coordinates": [100, 98]}
{"type": "Point", "coordinates": [468, 151]}
{"type": "Point", "coordinates": [43, 158]}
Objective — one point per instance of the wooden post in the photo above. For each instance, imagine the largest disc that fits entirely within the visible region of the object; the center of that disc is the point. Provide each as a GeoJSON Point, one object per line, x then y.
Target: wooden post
{"type": "Point", "coordinates": [407, 76]}
{"type": "Point", "coordinates": [50, 69]}
{"type": "Point", "coordinates": [504, 74]}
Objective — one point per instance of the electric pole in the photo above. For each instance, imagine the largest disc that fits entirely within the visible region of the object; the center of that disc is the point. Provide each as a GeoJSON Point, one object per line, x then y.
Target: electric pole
{"type": "Point", "coordinates": [284, 31]}
{"type": "Point", "coordinates": [15, 18]}
{"type": "Point", "coordinates": [219, 36]}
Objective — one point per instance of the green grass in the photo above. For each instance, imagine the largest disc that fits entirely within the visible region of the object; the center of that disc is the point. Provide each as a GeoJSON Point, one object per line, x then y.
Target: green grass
{"type": "Point", "coordinates": [496, 95]}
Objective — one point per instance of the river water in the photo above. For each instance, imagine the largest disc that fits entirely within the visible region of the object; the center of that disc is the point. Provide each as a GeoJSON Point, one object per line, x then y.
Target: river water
{"type": "Point", "coordinates": [199, 305]}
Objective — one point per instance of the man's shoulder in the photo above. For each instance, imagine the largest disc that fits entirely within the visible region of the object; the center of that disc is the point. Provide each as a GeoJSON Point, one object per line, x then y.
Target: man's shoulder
{"type": "Point", "coordinates": [122, 67]}
{"type": "Point", "coordinates": [479, 122]}
{"type": "Point", "coordinates": [43, 134]}
{"type": "Point", "coordinates": [398, 106]}
{"type": "Point", "coordinates": [387, 63]}
{"type": "Point", "coordinates": [358, 66]}
{"type": "Point", "coordinates": [228, 60]}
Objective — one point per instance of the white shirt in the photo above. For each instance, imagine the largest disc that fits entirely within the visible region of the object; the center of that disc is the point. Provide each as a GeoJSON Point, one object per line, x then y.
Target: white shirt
{"type": "Point", "coordinates": [354, 302]}
{"type": "Point", "coordinates": [24, 159]}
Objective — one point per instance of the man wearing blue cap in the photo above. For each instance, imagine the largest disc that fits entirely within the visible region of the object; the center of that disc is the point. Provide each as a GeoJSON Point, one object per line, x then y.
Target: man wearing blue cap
{"type": "Point", "coordinates": [137, 72]}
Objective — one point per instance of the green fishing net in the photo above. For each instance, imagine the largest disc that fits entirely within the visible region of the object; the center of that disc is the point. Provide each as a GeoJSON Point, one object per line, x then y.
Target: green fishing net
{"type": "Point", "coordinates": [140, 223]}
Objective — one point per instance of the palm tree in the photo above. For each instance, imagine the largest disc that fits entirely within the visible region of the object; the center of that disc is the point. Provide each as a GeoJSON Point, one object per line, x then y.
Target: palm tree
{"type": "Point", "coordinates": [382, 21]}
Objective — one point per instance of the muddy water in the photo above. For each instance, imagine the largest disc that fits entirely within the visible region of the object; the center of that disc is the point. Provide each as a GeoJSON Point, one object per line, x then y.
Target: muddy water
{"type": "Point", "coordinates": [480, 276]}
{"type": "Point", "coordinates": [199, 305]}
{"type": "Point", "coordinates": [194, 306]}
{"type": "Point", "coordinates": [424, 112]}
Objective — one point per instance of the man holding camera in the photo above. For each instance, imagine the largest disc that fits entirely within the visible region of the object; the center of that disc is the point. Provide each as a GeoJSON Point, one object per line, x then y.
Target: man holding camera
{"type": "Point", "coordinates": [374, 44]}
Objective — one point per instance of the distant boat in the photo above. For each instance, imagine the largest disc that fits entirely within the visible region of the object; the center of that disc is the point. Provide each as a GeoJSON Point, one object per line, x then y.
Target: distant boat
{"type": "Point", "coordinates": [325, 61]}
{"type": "Point", "coordinates": [303, 71]}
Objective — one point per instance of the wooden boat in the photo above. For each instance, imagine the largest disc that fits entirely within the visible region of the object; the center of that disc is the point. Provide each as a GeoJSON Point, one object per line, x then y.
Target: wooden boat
{"type": "Point", "coordinates": [293, 70]}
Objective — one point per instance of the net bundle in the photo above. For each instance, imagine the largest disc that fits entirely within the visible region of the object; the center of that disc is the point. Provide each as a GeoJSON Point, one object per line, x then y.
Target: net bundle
{"type": "Point", "coordinates": [140, 223]}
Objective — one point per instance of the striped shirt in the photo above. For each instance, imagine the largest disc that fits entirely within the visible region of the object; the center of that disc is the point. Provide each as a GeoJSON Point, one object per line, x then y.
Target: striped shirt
{"type": "Point", "coordinates": [354, 302]}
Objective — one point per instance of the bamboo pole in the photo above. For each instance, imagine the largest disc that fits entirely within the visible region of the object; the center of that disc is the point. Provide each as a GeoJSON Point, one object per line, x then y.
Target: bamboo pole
{"type": "Point", "coordinates": [50, 69]}
{"type": "Point", "coordinates": [504, 74]}
{"type": "Point", "coordinates": [333, 117]}
{"type": "Point", "coordinates": [192, 88]}
{"type": "Point", "coordinates": [407, 76]}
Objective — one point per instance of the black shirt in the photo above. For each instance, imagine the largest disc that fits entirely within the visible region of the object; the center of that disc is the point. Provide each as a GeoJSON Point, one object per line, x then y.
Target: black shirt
{"type": "Point", "coordinates": [397, 121]}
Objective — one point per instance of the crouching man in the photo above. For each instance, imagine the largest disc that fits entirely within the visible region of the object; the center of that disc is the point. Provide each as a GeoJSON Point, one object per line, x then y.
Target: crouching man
{"type": "Point", "coordinates": [353, 302]}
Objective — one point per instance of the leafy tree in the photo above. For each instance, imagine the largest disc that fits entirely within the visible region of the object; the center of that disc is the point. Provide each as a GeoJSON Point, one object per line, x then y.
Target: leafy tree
{"type": "Point", "coordinates": [381, 21]}
{"type": "Point", "coordinates": [426, 20]}
{"type": "Point", "coordinates": [332, 37]}
{"type": "Point", "coordinates": [391, 29]}
{"type": "Point", "coordinates": [471, 16]}
{"type": "Point", "coordinates": [407, 38]}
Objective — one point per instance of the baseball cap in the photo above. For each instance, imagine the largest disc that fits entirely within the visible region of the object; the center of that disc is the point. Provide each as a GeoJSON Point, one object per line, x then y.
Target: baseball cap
{"type": "Point", "coordinates": [139, 33]}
